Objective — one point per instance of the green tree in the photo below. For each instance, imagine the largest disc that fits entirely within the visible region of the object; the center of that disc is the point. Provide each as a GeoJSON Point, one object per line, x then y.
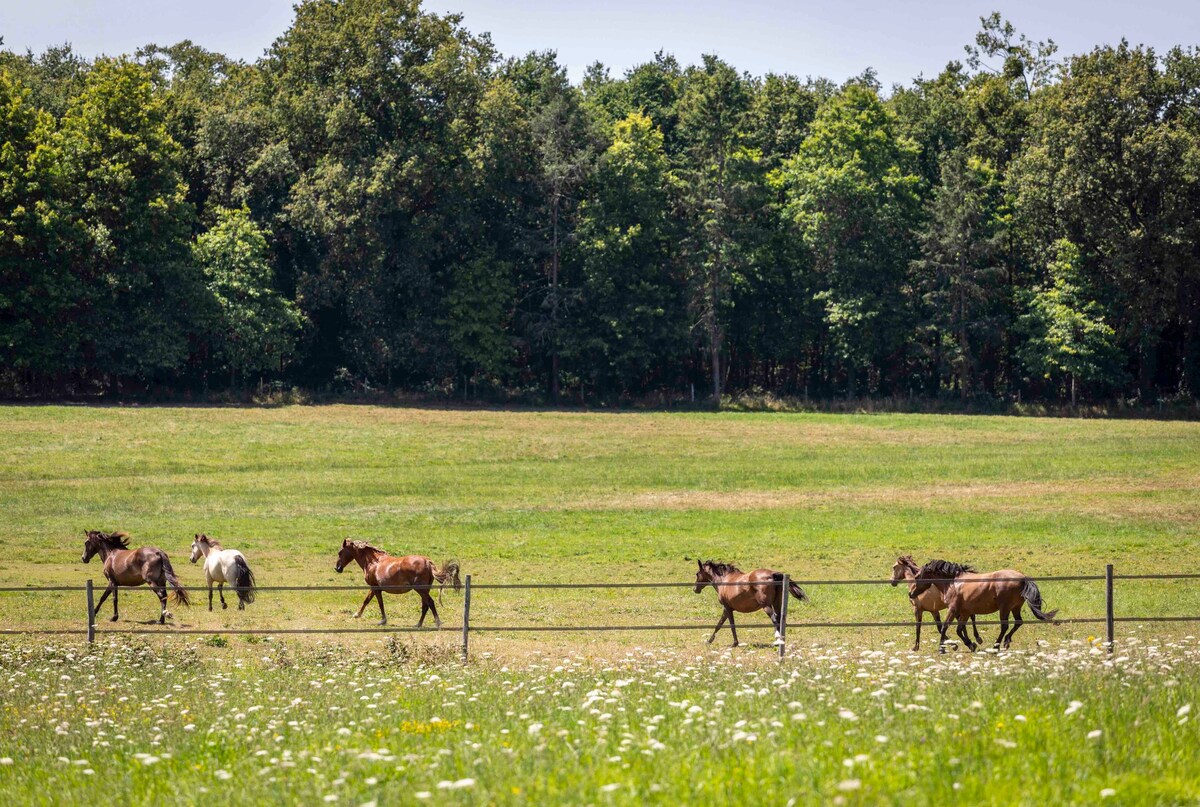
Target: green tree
{"type": "Point", "coordinates": [632, 321]}
{"type": "Point", "coordinates": [39, 240]}
{"type": "Point", "coordinates": [854, 198]}
{"type": "Point", "coordinates": [141, 293]}
{"type": "Point", "coordinates": [957, 273]}
{"type": "Point", "coordinates": [719, 178]}
{"type": "Point", "coordinates": [1066, 332]}
{"type": "Point", "coordinates": [255, 327]}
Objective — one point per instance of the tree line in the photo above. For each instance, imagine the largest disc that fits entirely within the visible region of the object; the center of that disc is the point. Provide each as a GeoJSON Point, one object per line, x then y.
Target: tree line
{"type": "Point", "coordinates": [383, 200]}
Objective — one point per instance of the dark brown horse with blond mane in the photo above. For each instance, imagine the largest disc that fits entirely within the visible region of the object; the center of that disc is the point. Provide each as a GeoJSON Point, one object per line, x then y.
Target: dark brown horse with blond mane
{"type": "Point", "coordinates": [930, 600]}
{"type": "Point", "coordinates": [745, 592]}
{"type": "Point", "coordinates": [132, 567]}
{"type": "Point", "coordinates": [968, 593]}
{"type": "Point", "coordinates": [397, 575]}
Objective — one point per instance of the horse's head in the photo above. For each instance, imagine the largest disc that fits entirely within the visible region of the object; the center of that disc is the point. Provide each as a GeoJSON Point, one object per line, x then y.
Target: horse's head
{"type": "Point", "coordinates": [197, 551]}
{"type": "Point", "coordinates": [91, 545]}
{"type": "Point", "coordinates": [99, 542]}
{"type": "Point", "coordinates": [903, 564]}
{"type": "Point", "coordinates": [345, 555]}
{"type": "Point", "coordinates": [703, 574]}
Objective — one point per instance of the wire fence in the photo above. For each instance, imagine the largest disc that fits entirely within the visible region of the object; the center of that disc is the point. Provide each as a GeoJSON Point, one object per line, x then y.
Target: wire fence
{"type": "Point", "coordinates": [780, 622]}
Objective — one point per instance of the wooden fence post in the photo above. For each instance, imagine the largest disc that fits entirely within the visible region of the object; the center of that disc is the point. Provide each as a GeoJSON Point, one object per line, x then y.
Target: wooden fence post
{"type": "Point", "coordinates": [1108, 604]}
{"type": "Point", "coordinates": [783, 609]}
{"type": "Point", "coordinates": [466, 628]}
{"type": "Point", "coordinates": [91, 630]}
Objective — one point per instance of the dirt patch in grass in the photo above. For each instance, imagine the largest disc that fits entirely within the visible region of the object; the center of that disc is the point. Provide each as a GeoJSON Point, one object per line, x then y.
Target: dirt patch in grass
{"type": "Point", "coordinates": [1096, 497]}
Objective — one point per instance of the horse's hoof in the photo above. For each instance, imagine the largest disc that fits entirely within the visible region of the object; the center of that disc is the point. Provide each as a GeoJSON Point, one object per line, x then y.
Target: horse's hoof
{"type": "Point", "coordinates": [709, 640]}
{"type": "Point", "coordinates": [210, 609]}
{"type": "Point", "coordinates": [357, 616]}
{"type": "Point", "coordinates": [224, 606]}
{"type": "Point", "coordinates": [916, 647]}
{"type": "Point", "coordinates": [113, 618]}
{"type": "Point", "coordinates": [383, 622]}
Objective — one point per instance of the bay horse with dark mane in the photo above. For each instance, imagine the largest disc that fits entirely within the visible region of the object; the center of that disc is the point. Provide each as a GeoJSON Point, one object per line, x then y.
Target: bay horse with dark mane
{"type": "Point", "coordinates": [132, 567]}
{"type": "Point", "coordinates": [930, 600]}
{"type": "Point", "coordinates": [397, 575]}
{"type": "Point", "coordinates": [968, 593]}
{"type": "Point", "coordinates": [745, 592]}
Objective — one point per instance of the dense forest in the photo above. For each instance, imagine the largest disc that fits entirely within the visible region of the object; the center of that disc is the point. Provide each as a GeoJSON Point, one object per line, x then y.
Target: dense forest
{"type": "Point", "coordinates": [383, 201]}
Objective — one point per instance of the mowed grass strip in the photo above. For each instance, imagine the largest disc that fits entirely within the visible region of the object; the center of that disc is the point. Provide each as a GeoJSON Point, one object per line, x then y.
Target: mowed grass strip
{"type": "Point", "coordinates": [523, 496]}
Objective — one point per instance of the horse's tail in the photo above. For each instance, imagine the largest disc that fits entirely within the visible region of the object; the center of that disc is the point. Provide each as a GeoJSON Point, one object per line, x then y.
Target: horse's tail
{"type": "Point", "coordinates": [794, 589]}
{"type": "Point", "coordinates": [447, 574]}
{"type": "Point", "coordinates": [243, 580]}
{"type": "Point", "coordinates": [179, 593]}
{"type": "Point", "coordinates": [1033, 596]}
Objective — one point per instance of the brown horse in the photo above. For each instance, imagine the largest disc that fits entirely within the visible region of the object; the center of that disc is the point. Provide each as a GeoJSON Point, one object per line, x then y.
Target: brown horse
{"type": "Point", "coordinates": [759, 590]}
{"type": "Point", "coordinates": [968, 593]}
{"type": "Point", "coordinates": [397, 575]}
{"type": "Point", "coordinates": [930, 600]}
{"type": "Point", "coordinates": [132, 567]}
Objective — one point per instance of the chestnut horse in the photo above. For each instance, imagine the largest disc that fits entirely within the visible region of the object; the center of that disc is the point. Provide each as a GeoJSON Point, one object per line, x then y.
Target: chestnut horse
{"type": "Point", "coordinates": [397, 575]}
{"type": "Point", "coordinates": [968, 593]}
{"type": "Point", "coordinates": [132, 567]}
{"type": "Point", "coordinates": [930, 600]}
{"type": "Point", "coordinates": [759, 590]}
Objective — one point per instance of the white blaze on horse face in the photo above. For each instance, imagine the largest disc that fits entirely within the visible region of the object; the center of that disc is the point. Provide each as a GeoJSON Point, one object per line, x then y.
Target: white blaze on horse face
{"type": "Point", "coordinates": [196, 553]}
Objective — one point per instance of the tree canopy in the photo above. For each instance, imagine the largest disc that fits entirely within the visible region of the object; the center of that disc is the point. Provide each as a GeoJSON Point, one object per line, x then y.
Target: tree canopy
{"type": "Point", "coordinates": [383, 200]}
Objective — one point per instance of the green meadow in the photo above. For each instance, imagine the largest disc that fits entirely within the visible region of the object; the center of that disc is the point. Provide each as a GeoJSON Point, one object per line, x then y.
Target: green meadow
{"type": "Point", "coordinates": [520, 496]}
{"type": "Point", "coordinates": [850, 717]}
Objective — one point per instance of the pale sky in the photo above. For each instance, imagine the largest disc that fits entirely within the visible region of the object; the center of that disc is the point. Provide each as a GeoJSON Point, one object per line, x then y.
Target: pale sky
{"type": "Point", "coordinates": [831, 38]}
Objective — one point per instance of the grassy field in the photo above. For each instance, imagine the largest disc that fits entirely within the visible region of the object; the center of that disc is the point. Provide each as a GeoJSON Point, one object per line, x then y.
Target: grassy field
{"type": "Point", "coordinates": [573, 497]}
{"type": "Point", "coordinates": [591, 717]}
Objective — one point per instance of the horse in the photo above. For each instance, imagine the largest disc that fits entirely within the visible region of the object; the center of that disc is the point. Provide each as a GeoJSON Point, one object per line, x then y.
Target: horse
{"type": "Point", "coordinates": [759, 590]}
{"type": "Point", "coordinates": [968, 593]}
{"type": "Point", "coordinates": [397, 575]}
{"type": "Point", "coordinates": [132, 567]}
{"type": "Point", "coordinates": [905, 568]}
{"type": "Point", "coordinates": [224, 566]}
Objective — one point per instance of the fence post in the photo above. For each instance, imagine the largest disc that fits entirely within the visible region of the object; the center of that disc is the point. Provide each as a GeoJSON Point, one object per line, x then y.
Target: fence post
{"type": "Point", "coordinates": [1108, 604]}
{"type": "Point", "coordinates": [91, 631]}
{"type": "Point", "coordinates": [466, 637]}
{"type": "Point", "coordinates": [783, 603]}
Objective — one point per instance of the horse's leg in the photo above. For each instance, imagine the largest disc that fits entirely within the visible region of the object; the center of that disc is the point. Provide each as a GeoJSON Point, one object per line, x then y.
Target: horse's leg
{"type": "Point", "coordinates": [962, 634]}
{"type": "Point", "coordinates": [733, 628]}
{"type": "Point", "coordinates": [424, 609]}
{"type": "Point", "coordinates": [210, 582]}
{"type": "Point", "coordinates": [1003, 626]}
{"type": "Point", "coordinates": [162, 601]}
{"type": "Point", "coordinates": [919, 613]}
{"type": "Point", "coordinates": [382, 613]}
{"type": "Point", "coordinates": [943, 626]}
{"type": "Point", "coordinates": [1018, 622]}
{"type": "Point", "coordinates": [103, 597]}
{"type": "Point", "coordinates": [116, 590]}
{"type": "Point", "coordinates": [975, 627]}
{"type": "Point", "coordinates": [437, 620]}
{"type": "Point", "coordinates": [720, 622]}
{"type": "Point", "coordinates": [221, 593]}
{"type": "Point", "coordinates": [774, 617]}
{"type": "Point", "coordinates": [363, 607]}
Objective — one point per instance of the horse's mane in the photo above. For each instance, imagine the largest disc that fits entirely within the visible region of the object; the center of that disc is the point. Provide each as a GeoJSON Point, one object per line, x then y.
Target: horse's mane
{"type": "Point", "coordinates": [213, 542]}
{"type": "Point", "coordinates": [361, 545]}
{"type": "Point", "coordinates": [945, 569]}
{"type": "Point", "coordinates": [116, 540]}
{"type": "Point", "coordinates": [721, 569]}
